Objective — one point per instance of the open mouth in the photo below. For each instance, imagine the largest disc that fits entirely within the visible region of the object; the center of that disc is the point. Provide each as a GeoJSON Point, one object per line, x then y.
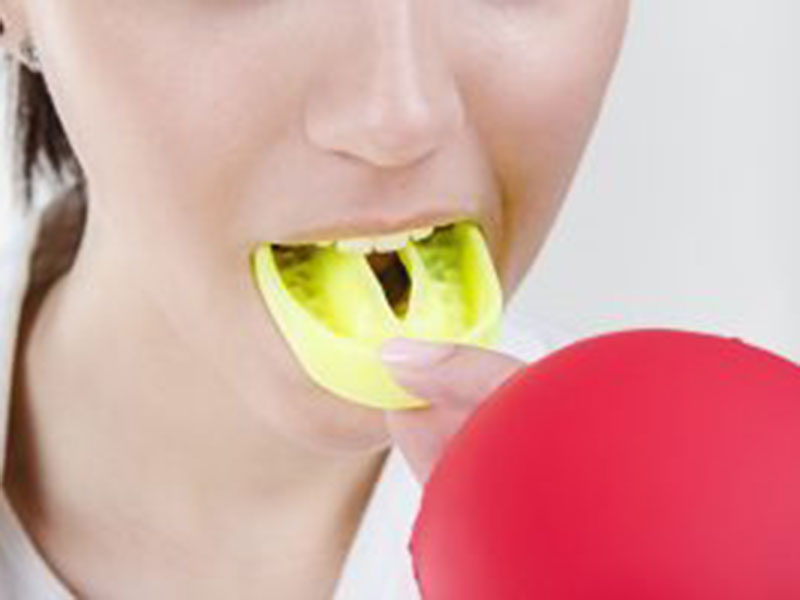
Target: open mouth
{"type": "Point", "coordinates": [435, 285]}
{"type": "Point", "coordinates": [387, 266]}
{"type": "Point", "coordinates": [336, 302]}
{"type": "Point", "coordinates": [394, 279]}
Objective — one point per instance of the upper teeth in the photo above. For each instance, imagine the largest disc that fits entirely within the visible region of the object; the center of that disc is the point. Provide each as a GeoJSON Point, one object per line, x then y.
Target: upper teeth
{"type": "Point", "coordinates": [383, 243]}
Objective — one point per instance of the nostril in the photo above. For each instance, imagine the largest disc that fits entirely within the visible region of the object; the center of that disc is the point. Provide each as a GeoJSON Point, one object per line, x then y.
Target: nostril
{"type": "Point", "coordinates": [389, 128]}
{"type": "Point", "coordinates": [402, 136]}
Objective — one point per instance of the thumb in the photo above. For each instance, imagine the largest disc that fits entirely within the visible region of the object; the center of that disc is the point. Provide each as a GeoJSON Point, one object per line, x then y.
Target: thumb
{"type": "Point", "coordinates": [453, 378]}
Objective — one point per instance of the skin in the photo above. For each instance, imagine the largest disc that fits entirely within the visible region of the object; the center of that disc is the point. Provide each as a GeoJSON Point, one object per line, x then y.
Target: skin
{"type": "Point", "coordinates": [168, 443]}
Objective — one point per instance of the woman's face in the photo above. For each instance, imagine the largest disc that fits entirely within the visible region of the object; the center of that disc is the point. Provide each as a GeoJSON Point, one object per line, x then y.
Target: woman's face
{"type": "Point", "coordinates": [206, 126]}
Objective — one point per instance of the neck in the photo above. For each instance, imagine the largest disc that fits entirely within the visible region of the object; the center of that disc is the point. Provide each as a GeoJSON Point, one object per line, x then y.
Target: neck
{"type": "Point", "coordinates": [130, 424]}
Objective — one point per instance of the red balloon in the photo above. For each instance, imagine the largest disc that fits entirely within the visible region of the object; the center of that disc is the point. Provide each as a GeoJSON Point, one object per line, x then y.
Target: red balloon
{"type": "Point", "coordinates": [647, 464]}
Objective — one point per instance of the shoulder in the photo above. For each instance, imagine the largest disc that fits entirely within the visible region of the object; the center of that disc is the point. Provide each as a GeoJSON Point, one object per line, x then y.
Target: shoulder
{"type": "Point", "coordinates": [24, 574]}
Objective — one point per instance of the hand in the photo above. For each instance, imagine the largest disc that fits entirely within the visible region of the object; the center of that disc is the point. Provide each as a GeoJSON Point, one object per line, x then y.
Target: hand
{"type": "Point", "coordinates": [453, 378]}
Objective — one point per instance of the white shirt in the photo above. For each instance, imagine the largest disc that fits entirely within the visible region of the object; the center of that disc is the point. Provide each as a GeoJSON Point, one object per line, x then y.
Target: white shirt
{"type": "Point", "coordinates": [378, 564]}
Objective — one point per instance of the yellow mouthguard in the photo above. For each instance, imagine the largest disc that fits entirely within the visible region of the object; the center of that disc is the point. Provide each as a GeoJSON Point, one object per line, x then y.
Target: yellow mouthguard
{"type": "Point", "coordinates": [333, 312]}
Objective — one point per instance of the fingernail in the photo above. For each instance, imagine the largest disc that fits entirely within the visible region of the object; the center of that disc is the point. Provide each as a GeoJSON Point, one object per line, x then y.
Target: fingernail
{"type": "Point", "coordinates": [411, 352]}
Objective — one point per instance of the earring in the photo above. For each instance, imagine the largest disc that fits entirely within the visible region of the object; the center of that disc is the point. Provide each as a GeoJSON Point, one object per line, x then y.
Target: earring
{"type": "Point", "coordinates": [29, 54]}
{"type": "Point", "coordinates": [27, 50]}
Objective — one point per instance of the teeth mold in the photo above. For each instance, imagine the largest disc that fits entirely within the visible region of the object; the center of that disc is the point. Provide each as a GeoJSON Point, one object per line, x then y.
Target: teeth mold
{"type": "Point", "coordinates": [333, 311]}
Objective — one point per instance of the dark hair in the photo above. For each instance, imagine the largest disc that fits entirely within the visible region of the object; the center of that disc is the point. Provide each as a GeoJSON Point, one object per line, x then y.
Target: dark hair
{"type": "Point", "coordinates": [40, 147]}
{"type": "Point", "coordinates": [41, 156]}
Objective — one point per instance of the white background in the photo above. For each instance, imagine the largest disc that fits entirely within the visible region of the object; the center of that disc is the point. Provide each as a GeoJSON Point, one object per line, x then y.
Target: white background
{"type": "Point", "coordinates": [686, 210]}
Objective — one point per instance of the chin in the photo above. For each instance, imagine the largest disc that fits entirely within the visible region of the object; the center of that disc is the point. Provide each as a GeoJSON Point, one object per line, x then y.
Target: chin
{"type": "Point", "coordinates": [324, 422]}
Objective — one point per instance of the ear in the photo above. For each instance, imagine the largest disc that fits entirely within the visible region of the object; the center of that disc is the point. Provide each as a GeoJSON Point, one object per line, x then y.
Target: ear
{"type": "Point", "coordinates": [15, 27]}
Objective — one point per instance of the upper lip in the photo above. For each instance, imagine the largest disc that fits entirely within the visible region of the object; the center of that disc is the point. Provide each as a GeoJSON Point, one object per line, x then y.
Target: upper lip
{"type": "Point", "coordinates": [374, 226]}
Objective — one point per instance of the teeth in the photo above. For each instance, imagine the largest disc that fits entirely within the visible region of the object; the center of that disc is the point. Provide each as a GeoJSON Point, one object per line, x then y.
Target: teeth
{"type": "Point", "coordinates": [389, 243]}
{"type": "Point", "coordinates": [383, 243]}
{"type": "Point", "coordinates": [421, 233]}
{"type": "Point", "coordinates": [360, 245]}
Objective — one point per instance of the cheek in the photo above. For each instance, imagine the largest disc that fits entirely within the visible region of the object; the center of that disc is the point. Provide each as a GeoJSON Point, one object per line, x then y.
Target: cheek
{"type": "Point", "coordinates": [182, 101]}
{"type": "Point", "coordinates": [538, 83]}
{"type": "Point", "coordinates": [536, 86]}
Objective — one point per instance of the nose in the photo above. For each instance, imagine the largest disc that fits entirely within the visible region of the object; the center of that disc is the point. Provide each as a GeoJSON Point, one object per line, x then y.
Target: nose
{"type": "Point", "coordinates": [390, 99]}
